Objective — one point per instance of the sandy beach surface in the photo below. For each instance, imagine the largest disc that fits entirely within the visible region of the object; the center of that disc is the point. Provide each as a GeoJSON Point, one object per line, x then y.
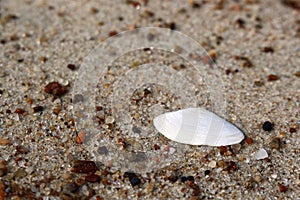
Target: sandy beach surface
{"type": "Point", "coordinates": [78, 96]}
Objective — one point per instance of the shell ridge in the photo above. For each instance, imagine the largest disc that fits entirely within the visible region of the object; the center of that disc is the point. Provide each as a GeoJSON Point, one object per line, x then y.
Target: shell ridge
{"type": "Point", "coordinates": [195, 136]}
{"type": "Point", "coordinates": [176, 125]}
{"type": "Point", "coordinates": [204, 112]}
{"type": "Point", "coordinates": [221, 132]}
{"type": "Point", "coordinates": [185, 124]}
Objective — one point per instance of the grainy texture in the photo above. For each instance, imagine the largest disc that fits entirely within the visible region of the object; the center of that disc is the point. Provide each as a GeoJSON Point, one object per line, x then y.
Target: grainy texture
{"type": "Point", "coordinates": [256, 45]}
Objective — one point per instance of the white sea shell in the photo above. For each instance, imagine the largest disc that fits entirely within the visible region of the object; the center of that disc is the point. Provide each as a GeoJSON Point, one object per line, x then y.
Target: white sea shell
{"type": "Point", "coordinates": [261, 154]}
{"type": "Point", "coordinates": [197, 126]}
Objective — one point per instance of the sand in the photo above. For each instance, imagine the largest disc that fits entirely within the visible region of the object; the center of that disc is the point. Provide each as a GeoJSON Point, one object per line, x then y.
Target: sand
{"type": "Point", "coordinates": [89, 134]}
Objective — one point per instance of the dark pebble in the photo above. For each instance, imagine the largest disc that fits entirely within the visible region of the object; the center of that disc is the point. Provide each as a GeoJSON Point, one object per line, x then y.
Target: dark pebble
{"type": "Point", "coordinates": [1, 91]}
{"type": "Point", "coordinates": [92, 178]}
{"type": "Point", "coordinates": [240, 23]}
{"type": "Point", "coordinates": [71, 187]}
{"type": "Point", "coordinates": [21, 149]}
{"type": "Point", "coordinates": [190, 178]}
{"type": "Point", "coordinates": [112, 33]}
{"type": "Point", "coordinates": [267, 126]}
{"type": "Point", "coordinates": [292, 130]}
{"type": "Point", "coordinates": [273, 77]}
{"type": "Point", "coordinates": [2, 41]}
{"type": "Point", "coordinates": [133, 179]}
{"type": "Point", "coordinates": [282, 188]}
{"type": "Point", "coordinates": [268, 50]}
{"type": "Point", "coordinates": [295, 4]}
{"type": "Point", "coordinates": [173, 178]}
{"type": "Point", "coordinates": [206, 172]}
{"type": "Point", "coordinates": [172, 25]}
{"type": "Point", "coordinates": [196, 5]}
{"type": "Point", "coordinates": [156, 147]}
{"type": "Point", "coordinates": [55, 89]}
{"type": "Point", "coordinates": [20, 111]}
{"type": "Point", "coordinates": [230, 166]}
{"type": "Point", "coordinates": [247, 62]}
{"type": "Point", "coordinates": [183, 179]}
{"type": "Point", "coordinates": [223, 150]}
{"type": "Point", "coordinates": [38, 109]}
{"type": "Point", "coordinates": [71, 67]}
{"type": "Point", "coordinates": [84, 166]}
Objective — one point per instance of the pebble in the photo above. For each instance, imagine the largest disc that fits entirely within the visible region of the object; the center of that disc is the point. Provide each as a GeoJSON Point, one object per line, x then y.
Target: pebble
{"type": "Point", "coordinates": [92, 178]}
{"type": "Point", "coordinates": [261, 154]}
{"type": "Point", "coordinates": [249, 140]}
{"type": "Point", "coordinates": [257, 178]}
{"type": "Point", "coordinates": [190, 178]}
{"type": "Point", "coordinates": [221, 163]}
{"type": "Point", "coordinates": [173, 177]}
{"type": "Point", "coordinates": [267, 126]}
{"type": "Point", "coordinates": [183, 179]}
{"type": "Point", "coordinates": [102, 150]}
{"type": "Point", "coordinates": [20, 111]}
{"type": "Point", "coordinates": [207, 172]}
{"type": "Point", "coordinates": [156, 147]}
{"type": "Point", "coordinates": [275, 143]}
{"type": "Point", "coordinates": [2, 190]}
{"type": "Point", "coordinates": [223, 149]}
{"type": "Point", "coordinates": [136, 129]}
{"type": "Point", "coordinates": [292, 130]}
{"type": "Point", "coordinates": [3, 167]}
{"type": "Point", "coordinates": [230, 166]}
{"type": "Point", "coordinates": [268, 49]}
{"type": "Point", "coordinates": [56, 89]}
{"type": "Point", "coordinates": [212, 164]}
{"type": "Point", "coordinates": [38, 109]}
{"type": "Point", "coordinates": [71, 67]}
{"type": "Point", "coordinates": [273, 77]}
{"type": "Point", "coordinates": [133, 178]}
{"type": "Point", "coordinates": [282, 188]}
{"type": "Point", "coordinates": [109, 120]}
{"type": "Point", "coordinates": [4, 141]}
{"type": "Point", "coordinates": [20, 173]}
{"type": "Point", "coordinates": [71, 187]}
{"type": "Point", "coordinates": [295, 4]}
{"type": "Point", "coordinates": [81, 137]}
{"type": "Point", "coordinates": [84, 166]}
{"type": "Point", "coordinates": [172, 150]}
{"type": "Point", "coordinates": [236, 148]}
{"type": "Point", "coordinates": [56, 110]}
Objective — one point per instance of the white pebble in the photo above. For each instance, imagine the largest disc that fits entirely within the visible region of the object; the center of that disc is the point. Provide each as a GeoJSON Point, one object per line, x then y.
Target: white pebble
{"type": "Point", "coordinates": [212, 164]}
{"type": "Point", "coordinates": [261, 154]}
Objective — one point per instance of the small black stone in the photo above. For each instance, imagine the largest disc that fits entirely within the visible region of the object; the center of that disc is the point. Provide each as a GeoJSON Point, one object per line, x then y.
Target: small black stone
{"type": "Point", "coordinates": [183, 179]}
{"type": "Point", "coordinates": [190, 178]}
{"type": "Point", "coordinates": [173, 178]}
{"type": "Point", "coordinates": [267, 126]}
{"type": "Point", "coordinates": [133, 179]}
{"type": "Point", "coordinates": [206, 172]}
{"type": "Point", "coordinates": [38, 109]}
{"type": "Point", "coordinates": [196, 5]}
